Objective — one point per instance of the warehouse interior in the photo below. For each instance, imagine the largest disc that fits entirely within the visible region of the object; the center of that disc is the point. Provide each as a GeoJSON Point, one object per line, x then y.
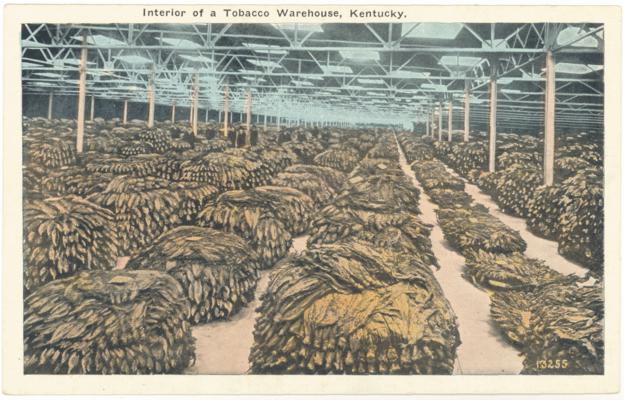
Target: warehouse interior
{"type": "Point", "coordinates": [383, 198]}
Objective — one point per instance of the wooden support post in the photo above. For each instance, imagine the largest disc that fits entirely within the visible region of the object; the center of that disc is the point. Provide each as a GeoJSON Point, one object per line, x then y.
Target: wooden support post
{"type": "Point", "coordinates": [248, 118]}
{"type": "Point", "coordinates": [450, 120]}
{"type": "Point", "coordinates": [466, 115]}
{"type": "Point", "coordinates": [219, 118]}
{"type": "Point", "coordinates": [432, 116]}
{"type": "Point", "coordinates": [265, 121]}
{"type": "Point", "coordinates": [206, 115]}
{"type": "Point", "coordinates": [440, 122]}
{"type": "Point", "coordinates": [92, 108]}
{"type": "Point", "coordinates": [427, 126]}
{"type": "Point", "coordinates": [173, 110]}
{"type": "Point", "coordinates": [82, 88]}
{"type": "Point", "coordinates": [50, 105]}
{"type": "Point", "coordinates": [125, 112]}
{"type": "Point", "coordinates": [195, 109]}
{"type": "Point", "coordinates": [150, 99]}
{"type": "Point", "coordinates": [226, 106]}
{"type": "Point", "coordinates": [549, 121]}
{"type": "Point", "coordinates": [493, 99]}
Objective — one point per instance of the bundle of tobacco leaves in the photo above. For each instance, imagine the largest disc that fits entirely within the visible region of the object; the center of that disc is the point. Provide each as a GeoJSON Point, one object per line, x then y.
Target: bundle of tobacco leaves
{"type": "Point", "coordinates": [143, 207]}
{"type": "Point", "coordinates": [312, 185]}
{"type": "Point", "coordinates": [527, 159]}
{"type": "Point", "coordinates": [401, 232]}
{"type": "Point", "coordinates": [472, 229]}
{"type": "Point", "coordinates": [50, 152]}
{"type": "Point", "coordinates": [247, 214]}
{"type": "Point", "coordinates": [415, 149]}
{"type": "Point", "coordinates": [217, 270]}
{"type": "Point", "coordinates": [433, 174]}
{"type": "Point", "coordinates": [508, 271]}
{"type": "Point", "coordinates": [32, 177]}
{"type": "Point", "coordinates": [333, 177]}
{"type": "Point", "coordinates": [63, 235]}
{"type": "Point", "coordinates": [135, 149]}
{"type": "Point", "coordinates": [464, 157]}
{"type": "Point", "coordinates": [566, 167]}
{"type": "Point", "coordinates": [277, 157]}
{"type": "Point", "coordinates": [305, 150]}
{"type": "Point", "coordinates": [108, 322]}
{"type": "Point", "coordinates": [449, 198]}
{"type": "Point", "coordinates": [581, 221]}
{"type": "Point", "coordinates": [194, 197]}
{"type": "Point", "coordinates": [155, 139]}
{"type": "Point", "coordinates": [212, 146]}
{"type": "Point", "coordinates": [380, 193]}
{"type": "Point", "coordinates": [515, 186]}
{"type": "Point", "coordinates": [341, 158]}
{"type": "Point", "coordinates": [293, 207]}
{"type": "Point", "coordinates": [557, 321]}
{"type": "Point", "coordinates": [351, 309]}
{"type": "Point", "coordinates": [74, 180]}
{"type": "Point", "coordinates": [544, 211]}
{"type": "Point", "coordinates": [377, 166]}
{"type": "Point", "coordinates": [384, 150]}
{"type": "Point", "coordinates": [229, 170]}
{"type": "Point", "coordinates": [139, 166]}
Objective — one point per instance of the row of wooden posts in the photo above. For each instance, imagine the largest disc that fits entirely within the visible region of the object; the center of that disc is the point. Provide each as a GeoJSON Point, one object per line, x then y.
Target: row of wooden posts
{"type": "Point", "coordinates": [549, 121]}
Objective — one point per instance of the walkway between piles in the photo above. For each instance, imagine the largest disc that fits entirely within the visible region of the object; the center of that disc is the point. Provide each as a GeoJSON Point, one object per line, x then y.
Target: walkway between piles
{"type": "Point", "coordinates": [537, 247]}
{"type": "Point", "coordinates": [223, 347]}
{"type": "Point", "coordinates": [482, 349]}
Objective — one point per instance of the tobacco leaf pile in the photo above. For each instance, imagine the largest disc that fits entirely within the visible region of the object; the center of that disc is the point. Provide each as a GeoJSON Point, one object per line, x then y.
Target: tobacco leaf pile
{"type": "Point", "coordinates": [247, 214]}
{"type": "Point", "coordinates": [342, 158]}
{"type": "Point", "coordinates": [108, 322]}
{"type": "Point", "coordinates": [144, 208]}
{"type": "Point", "coordinates": [555, 321]}
{"type": "Point", "coordinates": [349, 309]}
{"type": "Point", "coordinates": [312, 185]}
{"type": "Point", "coordinates": [63, 235]}
{"type": "Point", "coordinates": [471, 229]}
{"type": "Point", "coordinates": [218, 271]}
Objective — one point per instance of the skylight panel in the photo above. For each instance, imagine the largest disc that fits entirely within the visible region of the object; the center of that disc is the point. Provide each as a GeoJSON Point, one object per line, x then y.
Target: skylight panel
{"type": "Point", "coordinates": [461, 61]}
{"type": "Point", "coordinates": [133, 59]}
{"type": "Point", "coordinates": [264, 63]}
{"type": "Point", "coordinates": [369, 81]}
{"type": "Point", "coordinates": [266, 48]}
{"type": "Point", "coordinates": [576, 69]}
{"type": "Point", "coordinates": [197, 59]}
{"type": "Point", "coordinates": [353, 87]}
{"type": "Point", "coordinates": [403, 74]}
{"type": "Point", "coordinates": [175, 42]}
{"type": "Point", "coordinates": [313, 77]}
{"type": "Point", "coordinates": [48, 75]}
{"type": "Point", "coordinates": [26, 65]}
{"type": "Point", "coordinates": [571, 33]}
{"type": "Point", "coordinates": [302, 83]}
{"type": "Point", "coordinates": [300, 27]}
{"type": "Point", "coordinates": [360, 55]}
{"type": "Point", "coordinates": [433, 87]}
{"type": "Point", "coordinates": [432, 30]}
{"type": "Point", "coordinates": [100, 40]}
{"type": "Point", "coordinates": [336, 69]}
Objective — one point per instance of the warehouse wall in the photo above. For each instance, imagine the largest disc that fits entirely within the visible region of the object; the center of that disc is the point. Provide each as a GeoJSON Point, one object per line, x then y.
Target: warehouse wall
{"type": "Point", "coordinates": [35, 105]}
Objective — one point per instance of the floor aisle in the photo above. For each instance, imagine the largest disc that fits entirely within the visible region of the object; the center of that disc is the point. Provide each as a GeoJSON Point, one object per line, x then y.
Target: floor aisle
{"type": "Point", "coordinates": [482, 350]}
{"type": "Point", "coordinates": [537, 247]}
{"type": "Point", "coordinates": [223, 347]}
